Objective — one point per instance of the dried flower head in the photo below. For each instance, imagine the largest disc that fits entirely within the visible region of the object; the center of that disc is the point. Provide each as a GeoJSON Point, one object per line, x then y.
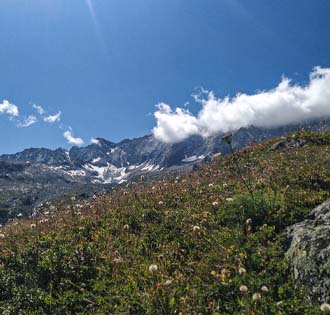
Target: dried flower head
{"type": "Point", "coordinates": [228, 138]}
{"type": "Point", "coordinates": [33, 226]}
{"type": "Point", "coordinates": [153, 268]}
{"type": "Point", "coordinates": [256, 296]}
{"type": "Point", "coordinates": [325, 308]}
{"type": "Point", "coordinates": [248, 221]}
{"type": "Point", "coordinates": [242, 271]}
{"type": "Point", "coordinates": [196, 228]}
{"type": "Point", "coordinates": [264, 289]}
{"type": "Point", "coordinates": [243, 289]}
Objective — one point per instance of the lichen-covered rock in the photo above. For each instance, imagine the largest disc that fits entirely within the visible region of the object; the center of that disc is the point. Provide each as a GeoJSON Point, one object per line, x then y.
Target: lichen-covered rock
{"type": "Point", "coordinates": [309, 253]}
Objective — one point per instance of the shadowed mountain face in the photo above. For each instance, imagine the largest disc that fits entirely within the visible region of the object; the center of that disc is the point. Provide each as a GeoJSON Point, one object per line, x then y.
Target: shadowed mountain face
{"type": "Point", "coordinates": [33, 176]}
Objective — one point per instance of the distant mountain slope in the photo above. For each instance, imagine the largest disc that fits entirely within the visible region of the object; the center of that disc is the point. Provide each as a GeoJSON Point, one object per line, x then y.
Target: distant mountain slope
{"type": "Point", "coordinates": [34, 175]}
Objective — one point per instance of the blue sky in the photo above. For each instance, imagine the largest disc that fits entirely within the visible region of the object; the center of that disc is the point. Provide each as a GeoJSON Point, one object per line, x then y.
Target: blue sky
{"type": "Point", "coordinates": [105, 64]}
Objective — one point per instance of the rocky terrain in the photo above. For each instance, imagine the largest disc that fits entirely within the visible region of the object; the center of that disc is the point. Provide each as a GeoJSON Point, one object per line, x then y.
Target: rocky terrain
{"type": "Point", "coordinates": [34, 176]}
{"type": "Point", "coordinates": [309, 253]}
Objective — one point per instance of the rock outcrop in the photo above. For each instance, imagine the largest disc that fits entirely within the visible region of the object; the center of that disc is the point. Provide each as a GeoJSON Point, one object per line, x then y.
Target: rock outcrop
{"type": "Point", "coordinates": [309, 253]}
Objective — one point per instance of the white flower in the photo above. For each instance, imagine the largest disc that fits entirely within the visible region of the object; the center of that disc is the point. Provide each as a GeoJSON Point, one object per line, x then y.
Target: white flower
{"type": "Point", "coordinates": [126, 227]}
{"type": "Point", "coordinates": [161, 202]}
{"type": "Point", "coordinates": [215, 203]}
{"type": "Point", "coordinates": [264, 289]}
{"type": "Point", "coordinates": [33, 226]}
{"type": "Point", "coordinates": [256, 296]}
{"type": "Point", "coordinates": [229, 199]}
{"type": "Point", "coordinates": [325, 307]}
{"type": "Point", "coordinates": [2, 235]}
{"type": "Point", "coordinates": [168, 282]}
{"type": "Point", "coordinates": [248, 221]}
{"type": "Point", "coordinates": [153, 268]}
{"type": "Point", "coordinates": [241, 271]}
{"type": "Point", "coordinates": [243, 289]}
{"type": "Point", "coordinates": [196, 228]}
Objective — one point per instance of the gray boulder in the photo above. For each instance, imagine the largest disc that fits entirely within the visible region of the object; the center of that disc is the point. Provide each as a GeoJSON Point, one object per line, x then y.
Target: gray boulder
{"type": "Point", "coordinates": [309, 253]}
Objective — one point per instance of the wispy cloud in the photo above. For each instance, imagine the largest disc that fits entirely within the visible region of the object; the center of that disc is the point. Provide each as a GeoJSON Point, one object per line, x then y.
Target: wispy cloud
{"type": "Point", "coordinates": [285, 104]}
{"type": "Point", "coordinates": [8, 109]}
{"type": "Point", "coordinates": [53, 118]}
{"type": "Point", "coordinates": [28, 121]}
{"type": "Point", "coordinates": [71, 139]}
{"type": "Point", "coordinates": [39, 109]}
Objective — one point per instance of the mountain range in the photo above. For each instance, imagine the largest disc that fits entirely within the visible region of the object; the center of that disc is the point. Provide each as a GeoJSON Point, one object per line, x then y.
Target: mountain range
{"type": "Point", "coordinates": [34, 176]}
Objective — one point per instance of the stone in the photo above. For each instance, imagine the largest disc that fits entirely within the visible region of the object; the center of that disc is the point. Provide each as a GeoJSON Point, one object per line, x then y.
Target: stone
{"type": "Point", "coordinates": [309, 253]}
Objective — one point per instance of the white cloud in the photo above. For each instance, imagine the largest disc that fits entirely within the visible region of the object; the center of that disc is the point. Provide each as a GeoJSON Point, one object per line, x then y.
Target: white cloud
{"type": "Point", "coordinates": [285, 104]}
{"type": "Point", "coordinates": [39, 109]}
{"type": "Point", "coordinates": [174, 126]}
{"type": "Point", "coordinates": [95, 141]}
{"type": "Point", "coordinates": [71, 139]}
{"type": "Point", "coordinates": [28, 121]}
{"type": "Point", "coordinates": [53, 118]}
{"type": "Point", "coordinates": [8, 108]}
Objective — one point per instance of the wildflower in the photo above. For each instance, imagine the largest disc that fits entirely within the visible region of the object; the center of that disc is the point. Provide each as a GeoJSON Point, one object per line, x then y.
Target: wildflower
{"type": "Point", "coordinates": [94, 197]}
{"type": "Point", "coordinates": [2, 235]}
{"type": "Point", "coordinates": [126, 227]}
{"type": "Point", "coordinates": [215, 203]}
{"type": "Point", "coordinates": [161, 202]}
{"type": "Point", "coordinates": [211, 185]}
{"type": "Point", "coordinates": [196, 228]}
{"type": "Point", "coordinates": [73, 198]}
{"type": "Point", "coordinates": [248, 221]}
{"type": "Point", "coordinates": [325, 307]}
{"type": "Point", "coordinates": [168, 282]}
{"type": "Point", "coordinates": [243, 289]}
{"type": "Point", "coordinates": [264, 289]}
{"type": "Point", "coordinates": [225, 272]}
{"type": "Point", "coordinates": [242, 271]}
{"type": "Point", "coordinates": [228, 138]}
{"type": "Point", "coordinates": [33, 226]}
{"type": "Point", "coordinates": [256, 296]}
{"type": "Point", "coordinates": [229, 199]}
{"type": "Point", "coordinates": [153, 268]}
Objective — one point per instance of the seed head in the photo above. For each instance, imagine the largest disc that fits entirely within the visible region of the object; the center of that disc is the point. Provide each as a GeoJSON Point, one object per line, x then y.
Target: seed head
{"type": "Point", "coordinates": [228, 138]}
{"type": "Point", "coordinates": [153, 268]}
{"type": "Point", "coordinates": [242, 271]}
{"type": "Point", "coordinates": [256, 296]}
{"type": "Point", "coordinates": [325, 308]}
{"type": "Point", "coordinates": [196, 228]}
{"type": "Point", "coordinates": [264, 289]}
{"type": "Point", "coordinates": [248, 221]}
{"type": "Point", "coordinates": [243, 289]}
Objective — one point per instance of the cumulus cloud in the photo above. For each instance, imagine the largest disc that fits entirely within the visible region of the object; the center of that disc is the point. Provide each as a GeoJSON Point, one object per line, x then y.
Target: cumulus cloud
{"type": "Point", "coordinates": [95, 141]}
{"type": "Point", "coordinates": [71, 139]}
{"type": "Point", "coordinates": [39, 109]}
{"type": "Point", "coordinates": [8, 108]}
{"type": "Point", "coordinates": [28, 121]}
{"type": "Point", "coordinates": [285, 104]}
{"type": "Point", "coordinates": [53, 118]}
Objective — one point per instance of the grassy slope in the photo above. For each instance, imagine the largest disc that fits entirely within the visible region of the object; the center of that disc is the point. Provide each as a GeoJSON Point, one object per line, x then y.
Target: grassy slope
{"type": "Point", "coordinates": [95, 259]}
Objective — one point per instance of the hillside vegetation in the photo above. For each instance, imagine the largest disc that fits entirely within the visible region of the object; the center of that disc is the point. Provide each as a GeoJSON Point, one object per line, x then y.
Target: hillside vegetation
{"type": "Point", "coordinates": [209, 242]}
